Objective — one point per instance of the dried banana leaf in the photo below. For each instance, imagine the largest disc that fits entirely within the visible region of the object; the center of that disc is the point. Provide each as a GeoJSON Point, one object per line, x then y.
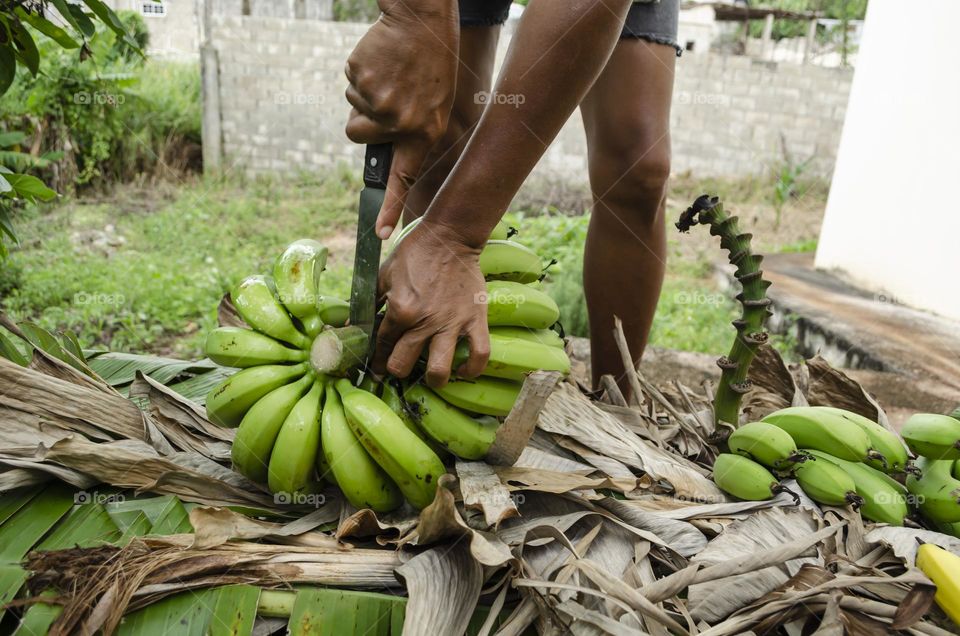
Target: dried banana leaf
{"type": "Point", "coordinates": [443, 585]}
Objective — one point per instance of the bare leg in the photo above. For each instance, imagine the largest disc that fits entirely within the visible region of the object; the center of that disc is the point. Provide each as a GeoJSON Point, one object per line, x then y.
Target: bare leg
{"type": "Point", "coordinates": [478, 45]}
{"type": "Point", "coordinates": [627, 120]}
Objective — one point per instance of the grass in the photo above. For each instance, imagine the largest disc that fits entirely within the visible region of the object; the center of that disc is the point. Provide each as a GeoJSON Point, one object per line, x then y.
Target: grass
{"type": "Point", "coordinates": [159, 290]}
{"type": "Point", "coordinates": [184, 245]}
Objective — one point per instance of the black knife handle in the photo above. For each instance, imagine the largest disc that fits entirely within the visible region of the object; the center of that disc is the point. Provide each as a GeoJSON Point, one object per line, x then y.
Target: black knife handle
{"type": "Point", "coordinates": [376, 165]}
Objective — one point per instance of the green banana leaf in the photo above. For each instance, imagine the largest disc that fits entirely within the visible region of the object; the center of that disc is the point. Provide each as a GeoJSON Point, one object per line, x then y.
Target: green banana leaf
{"type": "Point", "coordinates": [120, 369]}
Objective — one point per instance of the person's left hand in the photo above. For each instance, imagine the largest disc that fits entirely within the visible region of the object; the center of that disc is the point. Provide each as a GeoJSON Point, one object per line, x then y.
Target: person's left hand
{"type": "Point", "coordinates": [435, 295]}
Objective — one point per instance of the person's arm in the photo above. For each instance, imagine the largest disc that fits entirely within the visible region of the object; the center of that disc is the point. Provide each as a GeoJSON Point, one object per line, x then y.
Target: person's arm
{"type": "Point", "coordinates": [432, 281]}
{"type": "Point", "coordinates": [402, 78]}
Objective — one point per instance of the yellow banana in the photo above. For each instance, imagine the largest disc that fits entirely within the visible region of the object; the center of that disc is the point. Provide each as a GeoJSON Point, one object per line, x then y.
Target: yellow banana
{"type": "Point", "coordinates": [744, 478]}
{"type": "Point", "coordinates": [257, 304]}
{"type": "Point", "coordinates": [931, 435]}
{"type": "Point", "coordinates": [827, 483]}
{"type": "Point", "coordinates": [884, 441]}
{"type": "Point", "coordinates": [259, 427]}
{"type": "Point", "coordinates": [943, 568]}
{"type": "Point", "coordinates": [513, 358]}
{"type": "Point", "coordinates": [229, 401]}
{"type": "Point", "coordinates": [363, 482]}
{"type": "Point", "coordinates": [823, 431]}
{"type": "Point", "coordinates": [296, 274]}
{"type": "Point", "coordinates": [239, 347]}
{"type": "Point", "coordinates": [487, 396]}
{"type": "Point", "coordinates": [884, 498]}
{"type": "Point", "coordinates": [402, 455]}
{"type": "Point", "coordinates": [767, 444]}
{"type": "Point", "coordinates": [514, 304]}
{"type": "Point", "coordinates": [294, 456]}
{"type": "Point", "coordinates": [509, 260]}
{"type": "Point", "coordinates": [936, 492]}
{"type": "Point", "coordinates": [453, 429]}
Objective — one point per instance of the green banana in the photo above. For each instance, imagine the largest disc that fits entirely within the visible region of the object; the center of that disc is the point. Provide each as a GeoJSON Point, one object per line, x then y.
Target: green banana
{"type": "Point", "coordinates": [258, 429]}
{"type": "Point", "coordinates": [931, 435]}
{"type": "Point", "coordinates": [744, 478]}
{"type": "Point", "coordinates": [827, 483]}
{"type": "Point", "coordinates": [823, 431]}
{"type": "Point", "coordinates": [514, 304]}
{"type": "Point", "coordinates": [514, 358]}
{"type": "Point", "coordinates": [296, 274]}
{"type": "Point", "coordinates": [767, 444]}
{"type": "Point", "coordinates": [509, 260]}
{"type": "Point", "coordinates": [391, 397]}
{"type": "Point", "coordinates": [363, 482]}
{"type": "Point", "coordinates": [501, 231]}
{"type": "Point", "coordinates": [257, 304]}
{"type": "Point", "coordinates": [547, 337]}
{"type": "Point", "coordinates": [294, 456]}
{"type": "Point", "coordinates": [487, 396]}
{"type": "Point", "coordinates": [456, 431]}
{"type": "Point", "coordinates": [884, 498]}
{"type": "Point", "coordinates": [333, 311]}
{"type": "Point", "coordinates": [956, 469]}
{"type": "Point", "coordinates": [884, 441]}
{"type": "Point", "coordinates": [952, 529]}
{"type": "Point", "coordinates": [402, 455]}
{"type": "Point", "coordinates": [937, 493]}
{"type": "Point", "coordinates": [239, 347]}
{"type": "Point", "coordinates": [229, 401]}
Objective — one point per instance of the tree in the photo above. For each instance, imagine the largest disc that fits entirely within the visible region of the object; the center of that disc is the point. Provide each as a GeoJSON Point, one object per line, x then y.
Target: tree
{"type": "Point", "coordinates": [19, 21]}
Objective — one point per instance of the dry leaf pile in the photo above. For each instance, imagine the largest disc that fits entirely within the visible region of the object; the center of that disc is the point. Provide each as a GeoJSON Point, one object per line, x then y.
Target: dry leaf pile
{"type": "Point", "coordinates": [607, 523]}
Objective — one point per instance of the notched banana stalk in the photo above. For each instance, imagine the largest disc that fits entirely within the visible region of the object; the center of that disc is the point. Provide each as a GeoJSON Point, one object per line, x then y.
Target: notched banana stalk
{"type": "Point", "coordinates": [734, 381]}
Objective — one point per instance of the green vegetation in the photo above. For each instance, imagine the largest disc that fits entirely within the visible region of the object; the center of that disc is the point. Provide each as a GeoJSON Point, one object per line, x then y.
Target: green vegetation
{"type": "Point", "coordinates": [145, 270]}
{"type": "Point", "coordinates": [110, 116]}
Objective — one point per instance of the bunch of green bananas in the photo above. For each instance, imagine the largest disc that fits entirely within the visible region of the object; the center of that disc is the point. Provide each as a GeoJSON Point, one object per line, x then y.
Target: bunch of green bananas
{"type": "Point", "coordinates": [841, 458]}
{"type": "Point", "coordinates": [301, 421]}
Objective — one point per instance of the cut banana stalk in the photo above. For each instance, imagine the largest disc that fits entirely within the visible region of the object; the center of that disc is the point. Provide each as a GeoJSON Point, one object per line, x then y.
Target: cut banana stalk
{"type": "Point", "coordinates": [338, 350]}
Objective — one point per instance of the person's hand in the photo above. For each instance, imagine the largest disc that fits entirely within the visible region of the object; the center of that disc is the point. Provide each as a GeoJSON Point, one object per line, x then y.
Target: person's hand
{"type": "Point", "coordinates": [435, 295]}
{"type": "Point", "coordinates": [403, 75]}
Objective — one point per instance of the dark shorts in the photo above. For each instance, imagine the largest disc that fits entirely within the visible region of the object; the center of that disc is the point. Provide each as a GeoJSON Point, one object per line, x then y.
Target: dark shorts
{"type": "Point", "coordinates": [655, 21]}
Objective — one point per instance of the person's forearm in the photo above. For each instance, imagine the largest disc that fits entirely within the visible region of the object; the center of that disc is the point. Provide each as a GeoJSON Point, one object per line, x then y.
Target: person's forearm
{"type": "Point", "coordinates": [557, 52]}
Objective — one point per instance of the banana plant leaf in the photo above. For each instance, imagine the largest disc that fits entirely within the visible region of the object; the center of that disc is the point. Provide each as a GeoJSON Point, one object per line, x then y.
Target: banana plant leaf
{"type": "Point", "coordinates": [120, 369]}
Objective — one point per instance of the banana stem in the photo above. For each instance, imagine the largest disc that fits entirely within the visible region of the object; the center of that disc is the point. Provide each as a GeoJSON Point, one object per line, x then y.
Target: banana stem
{"type": "Point", "coordinates": [734, 381]}
{"type": "Point", "coordinates": [276, 603]}
{"type": "Point", "coordinates": [338, 350]}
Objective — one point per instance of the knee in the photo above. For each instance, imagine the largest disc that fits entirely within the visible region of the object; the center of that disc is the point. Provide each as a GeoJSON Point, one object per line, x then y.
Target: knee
{"type": "Point", "coordinates": [630, 174]}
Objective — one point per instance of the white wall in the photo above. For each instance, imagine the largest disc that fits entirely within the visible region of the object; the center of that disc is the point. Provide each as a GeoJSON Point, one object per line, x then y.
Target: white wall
{"type": "Point", "coordinates": [893, 216]}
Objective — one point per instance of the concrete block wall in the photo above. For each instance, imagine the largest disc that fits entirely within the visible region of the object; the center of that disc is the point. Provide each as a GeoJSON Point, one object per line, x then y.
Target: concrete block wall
{"type": "Point", "coordinates": [283, 110]}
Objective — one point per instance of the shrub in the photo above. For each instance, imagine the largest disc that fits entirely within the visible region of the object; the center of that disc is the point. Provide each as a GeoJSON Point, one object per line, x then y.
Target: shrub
{"type": "Point", "coordinates": [109, 114]}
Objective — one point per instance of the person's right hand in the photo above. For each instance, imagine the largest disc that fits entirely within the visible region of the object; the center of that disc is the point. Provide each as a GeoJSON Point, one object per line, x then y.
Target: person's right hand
{"type": "Point", "coordinates": [403, 75]}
